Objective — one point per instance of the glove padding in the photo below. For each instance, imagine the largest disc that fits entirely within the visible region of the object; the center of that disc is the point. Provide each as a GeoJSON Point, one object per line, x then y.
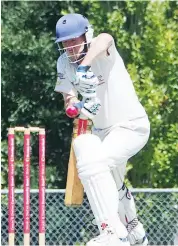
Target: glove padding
{"type": "Point", "coordinates": [90, 107]}
{"type": "Point", "coordinates": [86, 82]}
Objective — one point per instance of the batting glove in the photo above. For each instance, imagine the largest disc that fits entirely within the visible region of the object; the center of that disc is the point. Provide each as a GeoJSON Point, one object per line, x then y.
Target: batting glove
{"type": "Point", "coordinates": [86, 82]}
{"type": "Point", "coordinates": [89, 107]}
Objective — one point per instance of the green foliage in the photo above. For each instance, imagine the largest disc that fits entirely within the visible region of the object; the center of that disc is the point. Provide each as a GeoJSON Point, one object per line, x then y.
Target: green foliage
{"type": "Point", "coordinates": [28, 79]}
{"type": "Point", "coordinates": [146, 35]}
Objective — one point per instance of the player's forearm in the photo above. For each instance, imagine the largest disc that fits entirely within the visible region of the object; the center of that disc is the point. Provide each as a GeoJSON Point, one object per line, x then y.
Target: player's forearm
{"type": "Point", "coordinates": [100, 45]}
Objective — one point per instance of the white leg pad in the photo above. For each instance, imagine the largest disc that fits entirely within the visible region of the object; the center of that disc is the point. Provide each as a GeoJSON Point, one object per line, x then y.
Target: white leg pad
{"type": "Point", "coordinates": [127, 208]}
{"type": "Point", "coordinates": [87, 148]}
{"type": "Point", "coordinates": [103, 197]}
{"type": "Point", "coordinates": [86, 144]}
{"type": "Point", "coordinates": [128, 203]}
{"type": "Point", "coordinates": [98, 182]}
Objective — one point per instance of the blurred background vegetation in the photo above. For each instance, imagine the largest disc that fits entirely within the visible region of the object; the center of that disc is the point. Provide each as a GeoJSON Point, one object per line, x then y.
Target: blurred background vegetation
{"type": "Point", "coordinates": [146, 35]}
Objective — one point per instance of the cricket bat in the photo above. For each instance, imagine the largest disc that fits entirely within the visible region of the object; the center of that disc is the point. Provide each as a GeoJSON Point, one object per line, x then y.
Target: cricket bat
{"type": "Point", "coordinates": [74, 188]}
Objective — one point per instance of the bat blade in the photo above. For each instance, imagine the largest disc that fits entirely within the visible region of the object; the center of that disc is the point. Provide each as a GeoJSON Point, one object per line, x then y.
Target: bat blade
{"type": "Point", "coordinates": [74, 188]}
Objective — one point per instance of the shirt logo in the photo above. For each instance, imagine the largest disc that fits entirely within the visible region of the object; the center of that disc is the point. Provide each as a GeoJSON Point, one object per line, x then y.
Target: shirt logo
{"type": "Point", "coordinates": [60, 76]}
{"type": "Point", "coordinates": [101, 80]}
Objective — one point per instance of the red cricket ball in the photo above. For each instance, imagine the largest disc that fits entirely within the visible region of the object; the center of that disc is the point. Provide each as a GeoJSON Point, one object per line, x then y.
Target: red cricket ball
{"type": "Point", "coordinates": [72, 112]}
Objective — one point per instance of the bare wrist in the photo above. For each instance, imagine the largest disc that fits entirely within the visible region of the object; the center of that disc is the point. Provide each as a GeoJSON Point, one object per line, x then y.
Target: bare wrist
{"type": "Point", "coordinates": [71, 101]}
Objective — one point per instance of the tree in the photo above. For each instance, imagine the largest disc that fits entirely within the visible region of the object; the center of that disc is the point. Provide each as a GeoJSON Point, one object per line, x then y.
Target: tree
{"type": "Point", "coordinates": [146, 35]}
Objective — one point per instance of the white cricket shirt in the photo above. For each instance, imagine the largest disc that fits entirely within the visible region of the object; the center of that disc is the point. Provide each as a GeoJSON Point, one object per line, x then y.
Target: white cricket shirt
{"type": "Point", "coordinates": [116, 91]}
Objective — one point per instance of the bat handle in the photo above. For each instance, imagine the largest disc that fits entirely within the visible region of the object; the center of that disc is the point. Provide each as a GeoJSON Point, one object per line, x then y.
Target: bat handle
{"type": "Point", "coordinates": [82, 116]}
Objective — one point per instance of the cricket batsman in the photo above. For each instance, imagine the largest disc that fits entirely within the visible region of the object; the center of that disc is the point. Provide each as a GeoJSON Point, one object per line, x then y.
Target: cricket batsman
{"type": "Point", "coordinates": [92, 68]}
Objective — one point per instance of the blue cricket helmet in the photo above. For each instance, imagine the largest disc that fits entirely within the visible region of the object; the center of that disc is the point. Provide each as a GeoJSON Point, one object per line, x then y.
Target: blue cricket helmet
{"type": "Point", "coordinates": [71, 26]}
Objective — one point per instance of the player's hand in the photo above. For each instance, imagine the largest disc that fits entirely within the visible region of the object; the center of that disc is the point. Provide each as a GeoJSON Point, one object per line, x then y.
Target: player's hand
{"type": "Point", "coordinates": [86, 82]}
{"type": "Point", "coordinates": [90, 107]}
